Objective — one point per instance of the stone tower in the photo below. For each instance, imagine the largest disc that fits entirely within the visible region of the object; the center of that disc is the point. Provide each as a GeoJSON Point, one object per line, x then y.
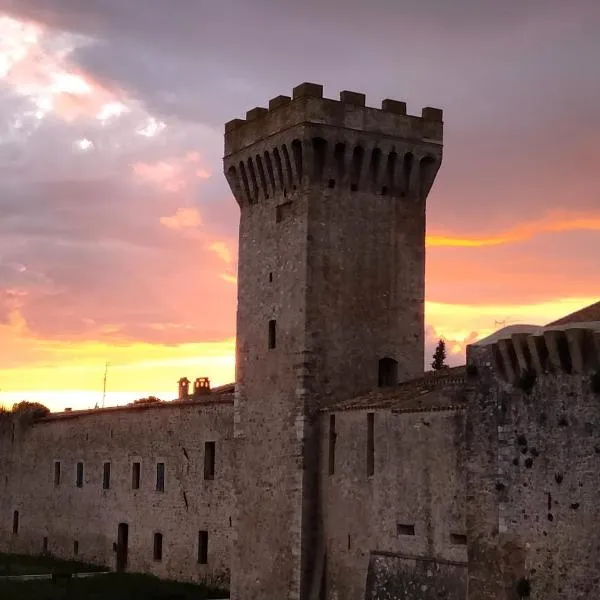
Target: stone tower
{"type": "Point", "coordinates": [330, 301]}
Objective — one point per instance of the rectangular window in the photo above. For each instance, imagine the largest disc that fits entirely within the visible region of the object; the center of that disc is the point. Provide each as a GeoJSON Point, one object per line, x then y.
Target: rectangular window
{"type": "Point", "coordinates": [160, 477]}
{"type": "Point", "coordinates": [332, 436]}
{"type": "Point", "coordinates": [106, 476]}
{"type": "Point", "coordinates": [56, 473]}
{"type": "Point", "coordinates": [272, 334]}
{"type": "Point", "coordinates": [79, 475]}
{"type": "Point", "coordinates": [16, 521]}
{"type": "Point", "coordinates": [135, 476]}
{"type": "Point", "coordinates": [402, 529]}
{"type": "Point", "coordinates": [209, 460]}
{"type": "Point", "coordinates": [45, 545]}
{"type": "Point", "coordinates": [202, 547]}
{"type": "Point", "coordinates": [459, 539]}
{"type": "Point", "coordinates": [158, 546]}
{"type": "Point", "coordinates": [76, 547]}
{"type": "Point", "coordinates": [370, 444]}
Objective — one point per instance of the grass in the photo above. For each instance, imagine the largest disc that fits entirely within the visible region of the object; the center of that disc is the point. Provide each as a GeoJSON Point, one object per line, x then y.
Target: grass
{"type": "Point", "coordinates": [21, 564]}
{"type": "Point", "coordinates": [112, 586]}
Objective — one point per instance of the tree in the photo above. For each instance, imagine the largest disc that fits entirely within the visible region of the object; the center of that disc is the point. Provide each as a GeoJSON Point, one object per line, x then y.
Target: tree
{"type": "Point", "coordinates": [148, 400]}
{"type": "Point", "coordinates": [439, 356]}
{"type": "Point", "coordinates": [35, 409]}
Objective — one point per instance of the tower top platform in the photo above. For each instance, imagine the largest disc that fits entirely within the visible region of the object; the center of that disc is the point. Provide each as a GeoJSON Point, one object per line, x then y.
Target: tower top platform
{"type": "Point", "coordinates": [307, 106]}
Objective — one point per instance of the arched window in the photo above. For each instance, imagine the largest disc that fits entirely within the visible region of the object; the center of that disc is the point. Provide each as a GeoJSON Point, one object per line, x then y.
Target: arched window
{"type": "Point", "coordinates": [388, 372]}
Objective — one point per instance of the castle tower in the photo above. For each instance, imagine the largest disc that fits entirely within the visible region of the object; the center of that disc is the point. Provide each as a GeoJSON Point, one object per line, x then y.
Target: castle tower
{"type": "Point", "coordinates": [330, 301]}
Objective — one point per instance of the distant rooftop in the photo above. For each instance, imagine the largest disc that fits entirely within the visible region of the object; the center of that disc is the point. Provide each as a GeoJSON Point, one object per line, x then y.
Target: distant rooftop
{"type": "Point", "coordinates": [589, 314]}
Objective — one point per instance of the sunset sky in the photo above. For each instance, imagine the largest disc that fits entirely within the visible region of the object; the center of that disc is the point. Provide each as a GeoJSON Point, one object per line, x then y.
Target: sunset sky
{"type": "Point", "coordinates": [118, 233]}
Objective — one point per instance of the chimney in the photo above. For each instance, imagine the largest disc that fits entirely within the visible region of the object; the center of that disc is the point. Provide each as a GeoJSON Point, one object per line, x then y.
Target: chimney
{"type": "Point", "coordinates": [184, 388]}
{"type": "Point", "coordinates": [201, 386]}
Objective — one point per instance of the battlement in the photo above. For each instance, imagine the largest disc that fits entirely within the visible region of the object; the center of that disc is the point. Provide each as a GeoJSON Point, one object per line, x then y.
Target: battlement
{"type": "Point", "coordinates": [575, 350]}
{"type": "Point", "coordinates": [307, 139]}
{"type": "Point", "coordinates": [307, 105]}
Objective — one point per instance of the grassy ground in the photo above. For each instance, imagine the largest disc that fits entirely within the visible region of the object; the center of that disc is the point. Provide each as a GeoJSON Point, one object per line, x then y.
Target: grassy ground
{"type": "Point", "coordinates": [113, 586]}
{"type": "Point", "coordinates": [19, 564]}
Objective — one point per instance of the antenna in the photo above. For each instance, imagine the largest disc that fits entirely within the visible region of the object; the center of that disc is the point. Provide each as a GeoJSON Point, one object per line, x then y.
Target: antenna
{"type": "Point", "coordinates": [104, 387]}
{"type": "Point", "coordinates": [505, 322]}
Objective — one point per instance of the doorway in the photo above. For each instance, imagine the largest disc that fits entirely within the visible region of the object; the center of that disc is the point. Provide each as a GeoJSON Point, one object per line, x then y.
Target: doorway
{"type": "Point", "coordinates": [122, 541]}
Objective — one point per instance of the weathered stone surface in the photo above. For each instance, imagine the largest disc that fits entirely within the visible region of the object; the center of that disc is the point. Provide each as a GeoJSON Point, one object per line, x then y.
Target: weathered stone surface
{"type": "Point", "coordinates": [396, 577]}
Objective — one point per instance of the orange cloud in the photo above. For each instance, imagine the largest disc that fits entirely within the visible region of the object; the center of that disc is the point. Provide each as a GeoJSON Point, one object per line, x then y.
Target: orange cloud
{"type": "Point", "coordinates": [184, 218]}
{"type": "Point", "coordinates": [555, 222]}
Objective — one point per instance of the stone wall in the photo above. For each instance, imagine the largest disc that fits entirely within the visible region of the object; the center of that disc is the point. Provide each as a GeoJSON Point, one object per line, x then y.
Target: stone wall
{"type": "Point", "coordinates": [412, 506]}
{"type": "Point", "coordinates": [397, 577]}
{"type": "Point", "coordinates": [89, 515]}
{"type": "Point", "coordinates": [533, 447]}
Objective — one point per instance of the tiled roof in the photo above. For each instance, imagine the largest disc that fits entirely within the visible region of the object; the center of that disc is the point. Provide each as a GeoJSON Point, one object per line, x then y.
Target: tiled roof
{"type": "Point", "coordinates": [220, 395]}
{"type": "Point", "coordinates": [427, 393]}
{"type": "Point", "coordinates": [589, 314]}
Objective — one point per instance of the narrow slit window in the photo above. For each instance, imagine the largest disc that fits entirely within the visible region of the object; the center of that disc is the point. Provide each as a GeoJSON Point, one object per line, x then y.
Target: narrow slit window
{"type": "Point", "coordinates": [403, 529]}
{"type": "Point", "coordinates": [272, 334]}
{"type": "Point", "coordinates": [75, 547]}
{"type": "Point", "coordinates": [209, 460]}
{"type": "Point", "coordinates": [135, 476]}
{"type": "Point", "coordinates": [370, 444]}
{"type": "Point", "coordinates": [16, 521]}
{"type": "Point", "coordinates": [158, 546]}
{"type": "Point", "coordinates": [332, 436]}
{"type": "Point", "coordinates": [45, 545]}
{"type": "Point", "coordinates": [106, 476]}
{"type": "Point", "coordinates": [79, 475]}
{"type": "Point", "coordinates": [202, 547]}
{"type": "Point", "coordinates": [56, 473]}
{"type": "Point", "coordinates": [160, 477]}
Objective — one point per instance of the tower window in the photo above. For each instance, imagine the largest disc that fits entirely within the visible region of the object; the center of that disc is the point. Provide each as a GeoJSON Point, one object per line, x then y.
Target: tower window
{"type": "Point", "coordinates": [56, 473]}
{"type": "Point", "coordinates": [160, 477]}
{"type": "Point", "coordinates": [106, 476]}
{"type": "Point", "coordinates": [79, 475]}
{"type": "Point", "coordinates": [209, 460]}
{"type": "Point", "coordinates": [272, 334]}
{"type": "Point", "coordinates": [135, 476]}
{"type": "Point", "coordinates": [388, 372]}
{"type": "Point", "coordinates": [202, 547]}
{"type": "Point", "coordinates": [158, 543]}
{"type": "Point", "coordinates": [16, 521]}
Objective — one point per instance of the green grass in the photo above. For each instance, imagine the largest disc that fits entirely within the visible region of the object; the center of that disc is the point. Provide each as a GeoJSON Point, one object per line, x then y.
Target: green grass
{"type": "Point", "coordinates": [21, 564]}
{"type": "Point", "coordinates": [113, 586]}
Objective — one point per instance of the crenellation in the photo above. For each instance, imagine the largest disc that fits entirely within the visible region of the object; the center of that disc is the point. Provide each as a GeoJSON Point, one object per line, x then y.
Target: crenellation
{"type": "Point", "coordinates": [307, 90]}
{"type": "Point", "coordinates": [432, 114]}
{"type": "Point", "coordinates": [307, 107]}
{"type": "Point", "coordinates": [524, 359]}
{"type": "Point", "coordinates": [279, 101]}
{"type": "Point", "coordinates": [393, 106]}
{"type": "Point", "coordinates": [353, 98]}
{"type": "Point", "coordinates": [256, 113]}
{"type": "Point", "coordinates": [509, 359]}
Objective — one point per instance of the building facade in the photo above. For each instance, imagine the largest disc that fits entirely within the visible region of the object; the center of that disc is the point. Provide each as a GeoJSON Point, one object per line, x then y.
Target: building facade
{"type": "Point", "coordinates": [334, 468]}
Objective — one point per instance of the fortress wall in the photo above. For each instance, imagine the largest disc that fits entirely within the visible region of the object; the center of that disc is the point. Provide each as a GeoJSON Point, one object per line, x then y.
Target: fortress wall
{"type": "Point", "coordinates": [418, 481]}
{"type": "Point", "coordinates": [534, 475]}
{"type": "Point", "coordinates": [90, 515]}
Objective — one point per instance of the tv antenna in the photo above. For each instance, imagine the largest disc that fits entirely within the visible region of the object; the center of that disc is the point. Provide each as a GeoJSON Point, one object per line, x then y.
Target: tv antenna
{"type": "Point", "coordinates": [104, 386]}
